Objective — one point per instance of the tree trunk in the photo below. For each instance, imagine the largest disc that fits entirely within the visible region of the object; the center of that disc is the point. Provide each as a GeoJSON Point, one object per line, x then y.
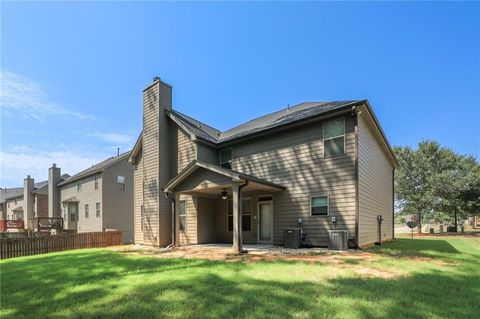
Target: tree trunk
{"type": "Point", "coordinates": [419, 223]}
{"type": "Point", "coordinates": [456, 222]}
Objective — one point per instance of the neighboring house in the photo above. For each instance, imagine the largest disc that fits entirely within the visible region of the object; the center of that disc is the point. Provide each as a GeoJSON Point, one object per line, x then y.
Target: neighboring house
{"type": "Point", "coordinates": [24, 203]}
{"type": "Point", "coordinates": [301, 166]}
{"type": "Point", "coordinates": [96, 199]}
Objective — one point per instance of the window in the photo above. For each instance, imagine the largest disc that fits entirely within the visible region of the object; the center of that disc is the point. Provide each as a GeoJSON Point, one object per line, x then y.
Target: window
{"type": "Point", "coordinates": [72, 209]}
{"type": "Point", "coordinates": [142, 217]}
{"type": "Point", "coordinates": [181, 214]}
{"type": "Point", "coordinates": [86, 210]}
{"type": "Point", "coordinates": [334, 137]}
{"type": "Point", "coordinates": [319, 205]}
{"type": "Point", "coordinates": [96, 183]}
{"type": "Point", "coordinates": [79, 186]}
{"type": "Point", "coordinates": [15, 201]}
{"type": "Point", "coordinates": [246, 214]}
{"type": "Point", "coordinates": [121, 183]}
{"type": "Point", "coordinates": [226, 158]}
{"type": "Point", "coordinates": [97, 209]}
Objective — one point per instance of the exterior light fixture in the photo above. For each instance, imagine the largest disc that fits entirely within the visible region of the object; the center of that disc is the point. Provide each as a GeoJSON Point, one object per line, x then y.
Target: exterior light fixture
{"type": "Point", "coordinates": [224, 194]}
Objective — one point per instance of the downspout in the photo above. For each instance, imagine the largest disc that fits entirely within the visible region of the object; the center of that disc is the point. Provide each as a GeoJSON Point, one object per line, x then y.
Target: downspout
{"type": "Point", "coordinates": [393, 203]}
{"type": "Point", "coordinates": [240, 197]}
{"type": "Point", "coordinates": [173, 240]}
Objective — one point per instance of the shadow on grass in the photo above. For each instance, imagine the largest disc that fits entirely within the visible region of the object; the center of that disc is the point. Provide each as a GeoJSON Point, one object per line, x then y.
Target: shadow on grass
{"type": "Point", "coordinates": [416, 247]}
{"type": "Point", "coordinates": [104, 284]}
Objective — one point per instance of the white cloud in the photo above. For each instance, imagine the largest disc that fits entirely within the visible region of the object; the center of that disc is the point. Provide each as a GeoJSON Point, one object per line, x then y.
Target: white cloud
{"type": "Point", "coordinates": [114, 138]}
{"type": "Point", "coordinates": [23, 96]}
{"type": "Point", "coordinates": [20, 161]}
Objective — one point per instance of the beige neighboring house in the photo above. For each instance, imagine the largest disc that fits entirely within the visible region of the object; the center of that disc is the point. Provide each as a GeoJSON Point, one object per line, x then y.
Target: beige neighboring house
{"type": "Point", "coordinates": [317, 165]}
{"type": "Point", "coordinates": [96, 199]}
{"type": "Point", "coordinates": [24, 203]}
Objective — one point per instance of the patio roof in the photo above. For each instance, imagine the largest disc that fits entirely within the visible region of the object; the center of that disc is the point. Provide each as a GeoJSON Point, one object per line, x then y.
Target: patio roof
{"type": "Point", "coordinates": [228, 176]}
{"type": "Point", "coordinates": [72, 199]}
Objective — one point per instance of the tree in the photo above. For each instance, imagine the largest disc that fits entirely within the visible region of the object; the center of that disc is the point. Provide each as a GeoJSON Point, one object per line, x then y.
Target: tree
{"type": "Point", "coordinates": [433, 181]}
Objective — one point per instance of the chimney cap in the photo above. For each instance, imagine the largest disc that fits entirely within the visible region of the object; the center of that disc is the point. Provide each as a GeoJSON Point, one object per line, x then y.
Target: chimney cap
{"type": "Point", "coordinates": [156, 78]}
{"type": "Point", "coordinates": [28, 176]}
{"type": "Point", "coordinates": [54, 165]}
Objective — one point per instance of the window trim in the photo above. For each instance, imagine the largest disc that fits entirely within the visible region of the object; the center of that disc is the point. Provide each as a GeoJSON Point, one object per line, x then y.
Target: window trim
{"type": "Point", "coordinates": [251, 214]}
{"type": "Point", "coordinates": [328, 204]}
{"type": "Point", "coordinates": [79, 186]}
{"type": "Point", "coordinates": [122, 186]}
{"type": "Point", "coordinates": [98, 211]}
{"type": "Point", "coordinates": [220, 157]}
{"type": "Point", "coordinates": [95, 185]}
{"type": "Point", "coordinates": [142, 217]}
{"type": "Point", "coordinates": [331, 138]}
{"type": "Point", "coordinates": [184, 215]}
{"type": "Point", "coordinates": [86, 210]}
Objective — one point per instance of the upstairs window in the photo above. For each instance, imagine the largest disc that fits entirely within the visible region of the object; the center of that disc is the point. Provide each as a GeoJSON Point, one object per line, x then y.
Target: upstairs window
{"type": "Point", "coordinates": [182, 214]}
{"type": "Point", "coordinates": [121, 182]}
{"type": "Point", "coordinates": [96, 182]}
{"type": "Point", "coordinates": [86, 210]}
{"type": "Point", "coordinates": [226, 158]}
{"type": "Point", "coordinates": [334, 137]}
{"type": "Point", "coordinates": [79, 186]}
{"type": "Point", "coordinates": [319, 205]}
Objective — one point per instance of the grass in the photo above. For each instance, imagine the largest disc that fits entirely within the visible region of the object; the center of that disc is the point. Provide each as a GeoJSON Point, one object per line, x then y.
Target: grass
{"type": "Point", "coordinates": [420, 278]}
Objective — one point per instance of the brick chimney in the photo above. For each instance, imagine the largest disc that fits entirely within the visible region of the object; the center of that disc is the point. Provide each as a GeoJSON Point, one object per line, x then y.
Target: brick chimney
{"type": "Point", "coordinates": [54, 177]}
{"type": "Point", "coordinates": [28, 188]}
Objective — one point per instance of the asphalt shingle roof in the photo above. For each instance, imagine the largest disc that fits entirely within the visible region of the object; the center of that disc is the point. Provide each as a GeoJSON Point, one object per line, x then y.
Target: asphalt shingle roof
{"type": "Point", "coordinates": [285, 116]}
{"type": "Point", "coordinates": [95, 168]}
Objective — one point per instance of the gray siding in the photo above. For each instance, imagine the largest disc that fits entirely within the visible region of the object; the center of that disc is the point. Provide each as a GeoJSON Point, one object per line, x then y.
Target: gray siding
{"type": "Point", "coordinates": [207, 154]}
{"type": "Point", "coordinates": [118, 203]}
{"type": "Point", "coordinates": [374, 188]}
{"type": "Point", "coordinates": [189, 235]}
{"type": "Point", "coordinates": [183, 150]}
{"type": "Point", "coordinates": [295, 160]}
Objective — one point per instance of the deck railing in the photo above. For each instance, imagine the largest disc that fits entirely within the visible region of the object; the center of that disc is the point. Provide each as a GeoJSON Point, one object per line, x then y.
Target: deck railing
{"type": "Point", "coordinates": [17, 247]}
{"type": "Point", "coordinates": [45, 223]}
{"type": "Point", "coordinates": [11, 224]}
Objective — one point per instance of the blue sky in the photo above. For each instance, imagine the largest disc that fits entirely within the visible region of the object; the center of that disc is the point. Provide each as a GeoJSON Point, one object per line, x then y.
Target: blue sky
{"type": "Point", "coordinates": [72, 73]}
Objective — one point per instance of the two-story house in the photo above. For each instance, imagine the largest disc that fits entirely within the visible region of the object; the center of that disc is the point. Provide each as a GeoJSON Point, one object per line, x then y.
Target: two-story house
{"type": "Point", "coordinates": [317, 165]}
{"type": "Point", "coordinates": [95, 199]}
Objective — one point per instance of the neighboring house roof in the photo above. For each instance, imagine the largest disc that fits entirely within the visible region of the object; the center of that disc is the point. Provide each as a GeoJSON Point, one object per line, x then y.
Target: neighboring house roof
{"type": "Point", "coordinates": [8, 193]}
{"type": "Point", "coordinates": [100, 167]}
{"type": "Point", "coordinates": [235, 176]}
{"type": "Point", "coordinates": [43, 190]}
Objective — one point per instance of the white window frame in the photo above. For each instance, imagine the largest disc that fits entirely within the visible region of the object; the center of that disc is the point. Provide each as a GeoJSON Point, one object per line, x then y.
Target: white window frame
{"type": "Point", "coordinates": [331, 138]}
{"type": "Point", "coordinates": [328, 204]}
{"type": "Point", "coordinates": [184, 215]}
{"type": "Point", "coordinates": [122, 186]}
{"type": "Point", "coordinates": [220, 157]}
{"type": "Point", "coordinates": [98, 210]}
{"type": "Point", "coordinates": [95, 185]}
{"type": "Point", "coordinates": [142, 217]}
{"type": "Point", "coordinates": [86, 210]}
{"type": "Point", "coordinates": [251, 214]}
{"type": "Point", "coordinates": [79, 186]}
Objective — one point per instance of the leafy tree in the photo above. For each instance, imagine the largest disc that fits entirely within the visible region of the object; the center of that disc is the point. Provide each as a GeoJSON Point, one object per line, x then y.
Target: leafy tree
{"type": "Point", "coordinates": [434, 182]}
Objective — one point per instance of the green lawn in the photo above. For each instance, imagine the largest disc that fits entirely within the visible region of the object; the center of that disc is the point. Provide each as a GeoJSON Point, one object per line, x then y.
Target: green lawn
{"type": "Point", "coordinates": [420, 278]}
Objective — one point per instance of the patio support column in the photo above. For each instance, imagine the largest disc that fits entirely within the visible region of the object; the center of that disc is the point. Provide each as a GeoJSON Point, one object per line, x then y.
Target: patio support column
{"type": "Point", "coordinates": [237, 217]}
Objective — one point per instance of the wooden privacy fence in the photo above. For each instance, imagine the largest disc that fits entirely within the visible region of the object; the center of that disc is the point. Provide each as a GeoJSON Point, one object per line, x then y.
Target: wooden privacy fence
{"type": "Point", "coordinates": [17, 247]}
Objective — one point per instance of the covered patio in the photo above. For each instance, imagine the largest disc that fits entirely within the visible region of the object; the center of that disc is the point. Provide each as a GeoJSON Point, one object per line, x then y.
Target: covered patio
{"type": "Point", "coordinates": [208, 202]}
